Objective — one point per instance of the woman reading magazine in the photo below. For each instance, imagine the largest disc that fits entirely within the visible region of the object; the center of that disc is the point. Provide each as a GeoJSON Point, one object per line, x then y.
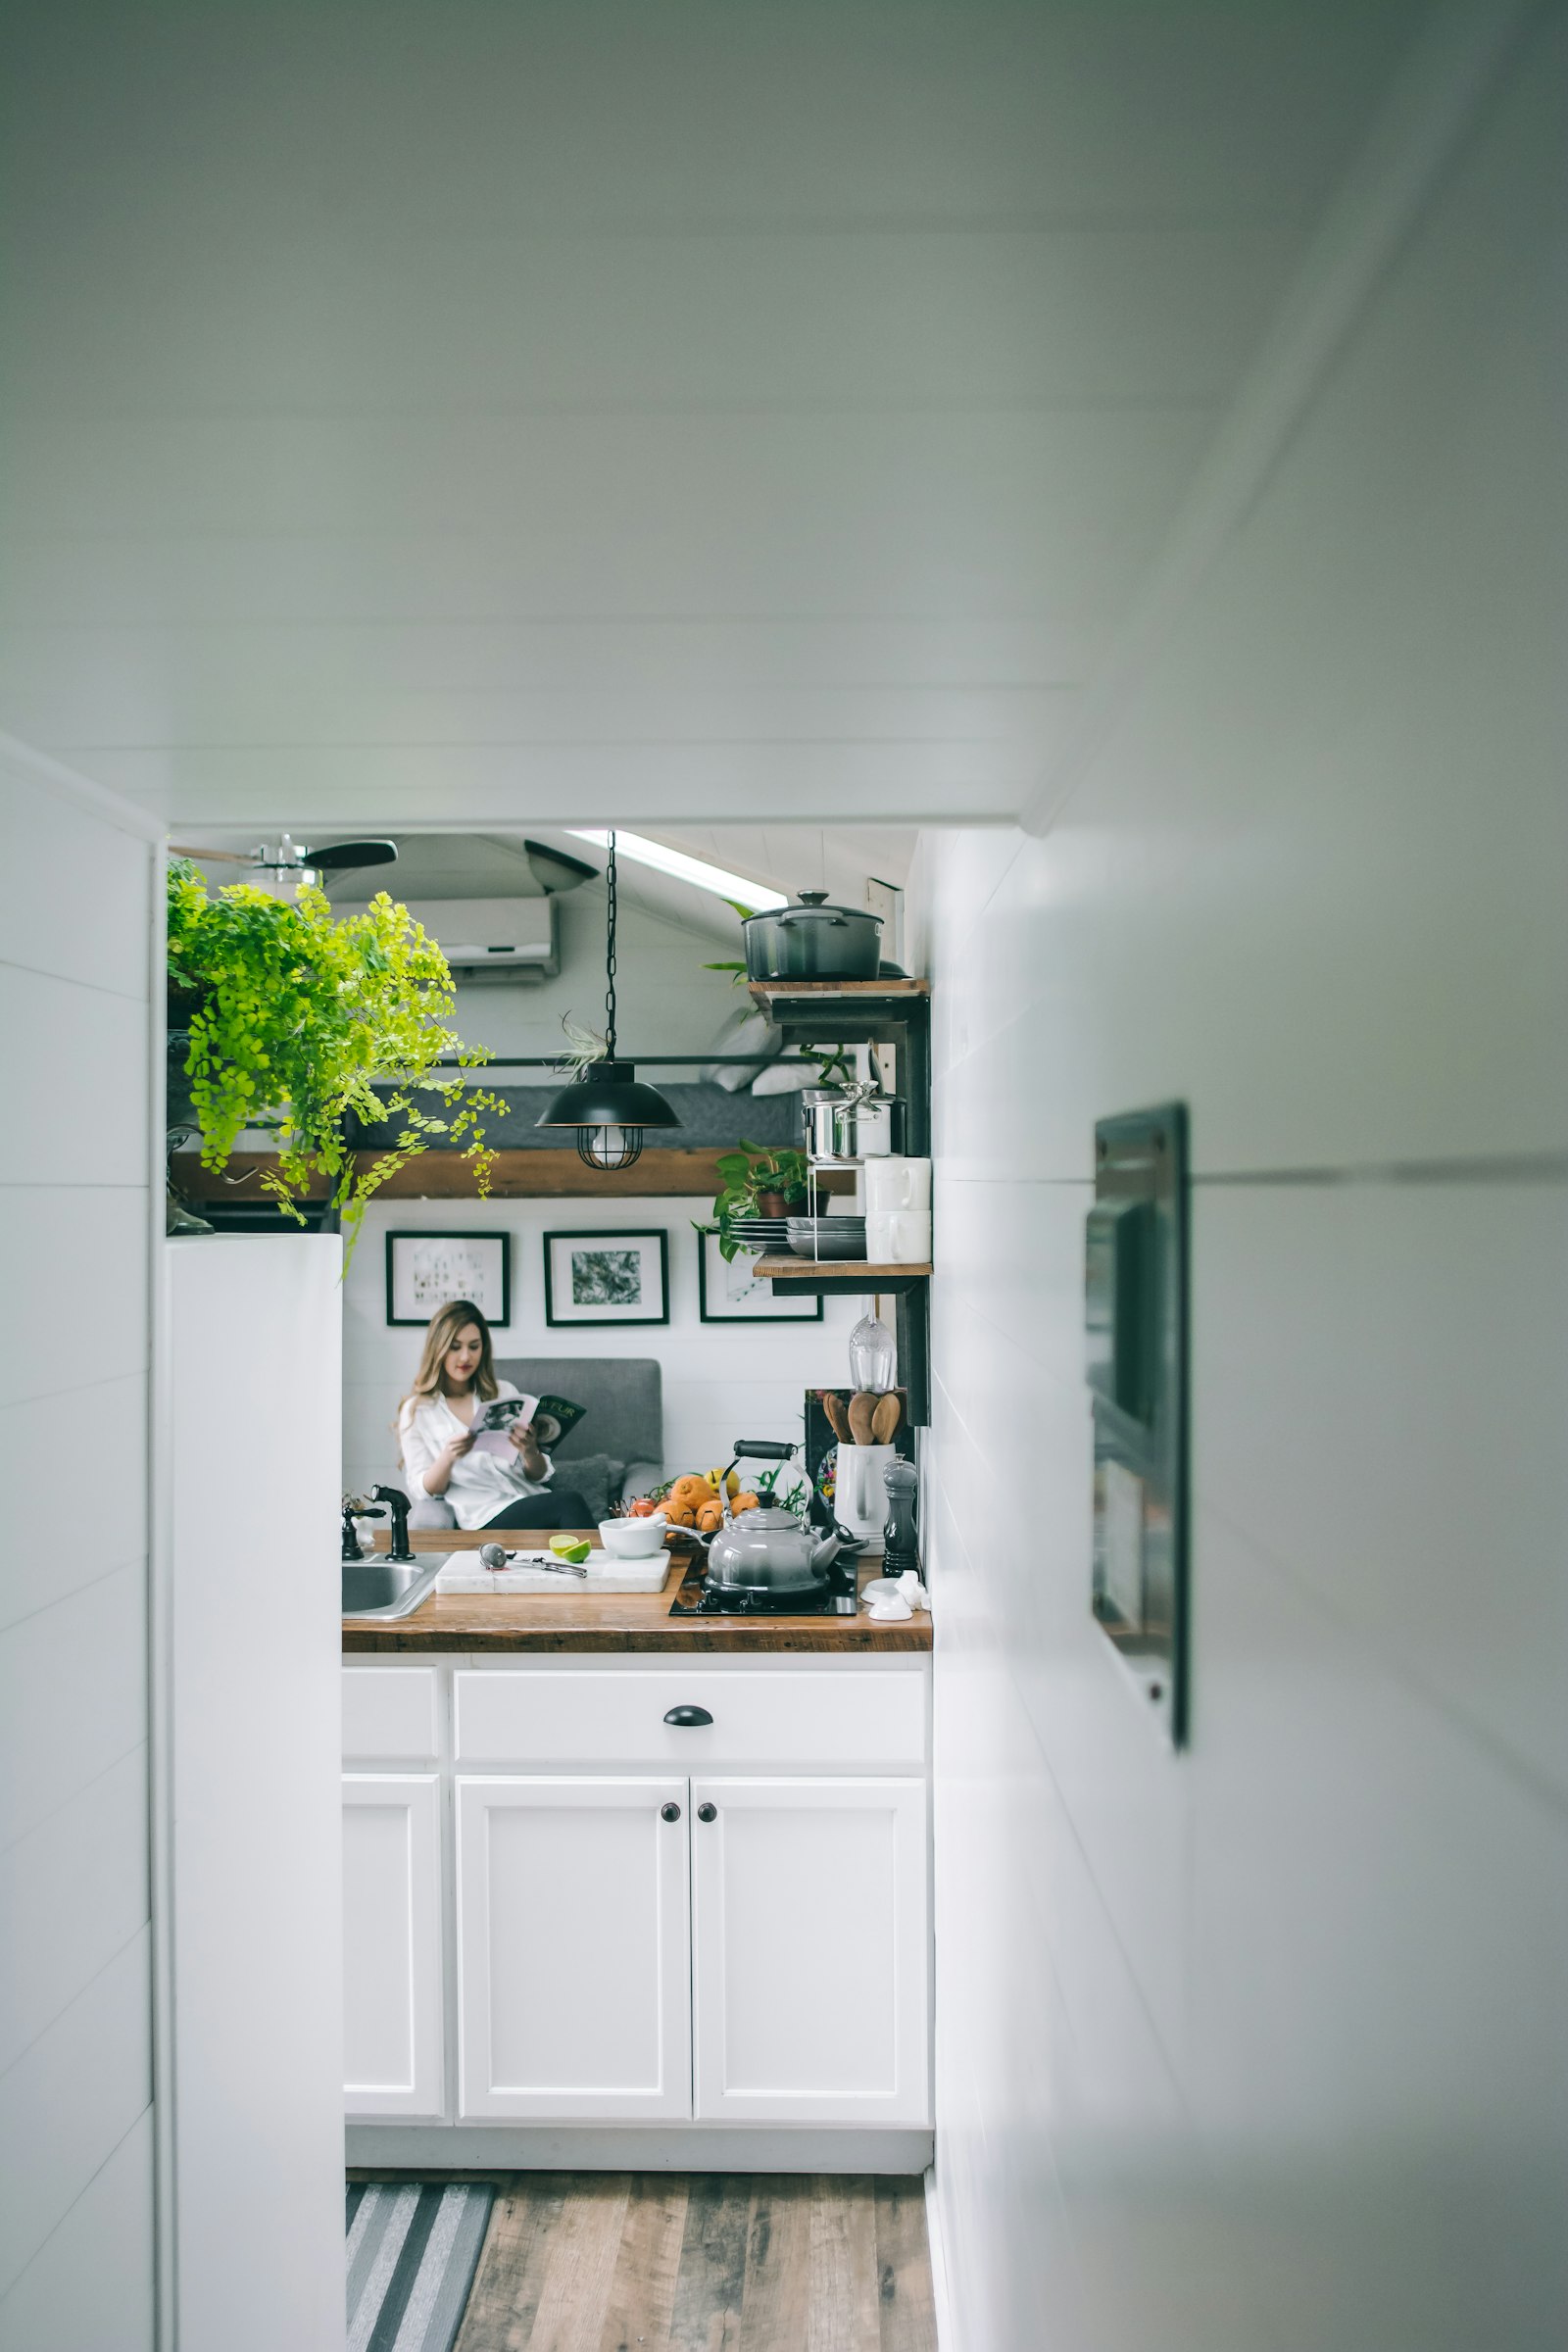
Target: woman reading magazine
{"type": "Point", "coordinates": [458, 1442]}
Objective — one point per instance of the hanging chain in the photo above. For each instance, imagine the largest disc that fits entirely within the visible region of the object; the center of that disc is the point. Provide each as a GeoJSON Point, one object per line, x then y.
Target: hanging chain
{"type": "Point", "coordinates": [610, 958]}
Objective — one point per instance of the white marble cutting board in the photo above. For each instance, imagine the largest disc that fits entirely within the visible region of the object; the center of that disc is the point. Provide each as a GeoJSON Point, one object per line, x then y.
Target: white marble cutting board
{"type": "Point", "coordinates": [462, 1572]}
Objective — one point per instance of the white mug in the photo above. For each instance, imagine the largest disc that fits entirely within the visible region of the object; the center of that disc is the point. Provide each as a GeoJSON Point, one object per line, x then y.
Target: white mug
{"type": "Point", "coordinates": [897, 1183]}
{"type": "Point", "coordinates": [898, 1237]}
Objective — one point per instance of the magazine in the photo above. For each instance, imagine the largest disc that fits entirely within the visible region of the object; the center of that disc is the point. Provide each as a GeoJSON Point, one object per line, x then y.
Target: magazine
{"type": "Point", "coordinates": [553, 1418]}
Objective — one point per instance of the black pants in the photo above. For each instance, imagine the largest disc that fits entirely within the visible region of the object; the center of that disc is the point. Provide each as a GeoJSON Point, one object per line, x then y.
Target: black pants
{"type": "Point", "coordinates": [561, 1507]}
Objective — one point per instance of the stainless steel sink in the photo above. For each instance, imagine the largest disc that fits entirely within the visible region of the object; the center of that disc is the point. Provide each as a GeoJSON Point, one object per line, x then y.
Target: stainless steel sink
{"type": "Point", "coordinates": [388, 1588]}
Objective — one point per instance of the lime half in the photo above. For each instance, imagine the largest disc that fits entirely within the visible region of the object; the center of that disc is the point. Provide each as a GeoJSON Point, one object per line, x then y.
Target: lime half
{"type": "Point", "coordinates": [575, 1551]}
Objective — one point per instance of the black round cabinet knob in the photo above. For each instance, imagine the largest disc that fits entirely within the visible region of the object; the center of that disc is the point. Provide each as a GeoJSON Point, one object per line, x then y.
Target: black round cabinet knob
{"type": "Point", "coordinates": [669, 1812]}
{"type": "Point", "coordinates": [707, 1812]}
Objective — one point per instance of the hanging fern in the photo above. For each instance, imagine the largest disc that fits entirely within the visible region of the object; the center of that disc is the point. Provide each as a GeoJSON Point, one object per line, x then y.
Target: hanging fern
{"type": "Point", "coordinates": [301, 1016]}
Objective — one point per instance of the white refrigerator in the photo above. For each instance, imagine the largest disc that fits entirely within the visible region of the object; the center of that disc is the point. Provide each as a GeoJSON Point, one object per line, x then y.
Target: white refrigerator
{"type": "Point", "coordinates": [248, 1649]}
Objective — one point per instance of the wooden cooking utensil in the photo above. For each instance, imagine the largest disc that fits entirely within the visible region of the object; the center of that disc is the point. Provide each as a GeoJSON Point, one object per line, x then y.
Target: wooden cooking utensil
{"type": "Point", "coordinates": [862, 1408]}
{"type": "Point", "coordinates": [838, 1420]}
{"type": "Point", "coordinates": [885, 1419]}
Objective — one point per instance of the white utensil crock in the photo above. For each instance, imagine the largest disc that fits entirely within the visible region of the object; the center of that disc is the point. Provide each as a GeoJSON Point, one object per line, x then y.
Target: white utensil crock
{"type": "Point", "coordinates": [860, 1498]}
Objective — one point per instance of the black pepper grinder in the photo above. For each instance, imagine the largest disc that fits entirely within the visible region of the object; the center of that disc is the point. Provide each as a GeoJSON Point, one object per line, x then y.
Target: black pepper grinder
{"type": "Point", "coordinates": [901, 1537]}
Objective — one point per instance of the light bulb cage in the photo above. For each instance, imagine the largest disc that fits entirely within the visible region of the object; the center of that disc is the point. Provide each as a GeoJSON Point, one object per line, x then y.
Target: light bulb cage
{"type": "Point", "coordinates": [606, 1103]}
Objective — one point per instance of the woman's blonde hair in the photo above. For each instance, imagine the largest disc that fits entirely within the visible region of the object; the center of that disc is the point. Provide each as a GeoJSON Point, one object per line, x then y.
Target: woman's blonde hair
{"type": "Point", "coordinates": [441, 1336]}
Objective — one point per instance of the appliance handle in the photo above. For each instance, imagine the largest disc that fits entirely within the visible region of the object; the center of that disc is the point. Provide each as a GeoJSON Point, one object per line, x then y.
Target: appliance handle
{"type": "Point", "coordinates": [686, 1719]}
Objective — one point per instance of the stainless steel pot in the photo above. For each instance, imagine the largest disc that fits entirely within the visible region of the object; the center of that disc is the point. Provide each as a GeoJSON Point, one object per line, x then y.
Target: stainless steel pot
{"type": "Point", "coordinates": [869, 1129]}
{"type": "Point", "coordinates": [812, 941]}
{"type": "Point", "coordinates": [818, 1105]}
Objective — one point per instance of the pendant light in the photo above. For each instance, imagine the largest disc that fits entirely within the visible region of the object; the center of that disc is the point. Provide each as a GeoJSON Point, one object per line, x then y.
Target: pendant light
{"type": "Point", "coordinates": [606, 1105]}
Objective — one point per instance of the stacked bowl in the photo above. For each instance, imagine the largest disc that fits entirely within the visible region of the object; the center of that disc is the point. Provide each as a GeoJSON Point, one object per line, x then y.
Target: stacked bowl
{"type": "Point", "coordinates": [827, 1237]}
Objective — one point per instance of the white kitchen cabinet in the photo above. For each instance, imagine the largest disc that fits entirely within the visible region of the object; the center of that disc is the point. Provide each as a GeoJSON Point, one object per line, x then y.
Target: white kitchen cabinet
{"type": "Point", "coordinates": [394, 2019]}
{"type": "Point", "coordinates": [574, 1948]}
{"type": "Point", "coordinates": [809, 1960]}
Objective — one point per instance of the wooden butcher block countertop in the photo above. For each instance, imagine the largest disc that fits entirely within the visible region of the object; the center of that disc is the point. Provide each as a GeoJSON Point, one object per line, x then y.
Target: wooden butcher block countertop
{"type": "Point", "coordinates": [609, 1621]}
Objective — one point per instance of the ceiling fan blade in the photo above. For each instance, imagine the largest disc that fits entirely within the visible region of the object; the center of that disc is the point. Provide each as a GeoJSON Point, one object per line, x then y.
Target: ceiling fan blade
{"type": "Point", "coordinates": [183, 849]}
{"type": "Point", "coordinates": [343, 854]}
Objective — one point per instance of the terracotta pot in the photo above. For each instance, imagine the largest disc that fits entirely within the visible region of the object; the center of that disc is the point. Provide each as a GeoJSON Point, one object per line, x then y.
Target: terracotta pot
{"type": "Point", "coordinates": [780, 1204]}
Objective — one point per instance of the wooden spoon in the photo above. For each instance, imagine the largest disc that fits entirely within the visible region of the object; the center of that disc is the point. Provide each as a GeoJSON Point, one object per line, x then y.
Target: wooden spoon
{"type": "Point", "coordinates": [838, 1420]}
{"type": "Point", "coordinates": [862, 1408]}
{"type": "Point", "coordinates": [885, 1419]}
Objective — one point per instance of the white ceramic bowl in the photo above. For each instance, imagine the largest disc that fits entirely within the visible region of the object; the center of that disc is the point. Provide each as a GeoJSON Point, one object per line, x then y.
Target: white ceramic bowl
{"type": "Point", "coordinates": [633, 1538]}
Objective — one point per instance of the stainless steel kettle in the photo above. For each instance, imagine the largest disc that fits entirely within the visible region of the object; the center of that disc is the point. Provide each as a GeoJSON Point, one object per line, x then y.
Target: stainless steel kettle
{"type": "Point", "coordinates": [767, 1552]}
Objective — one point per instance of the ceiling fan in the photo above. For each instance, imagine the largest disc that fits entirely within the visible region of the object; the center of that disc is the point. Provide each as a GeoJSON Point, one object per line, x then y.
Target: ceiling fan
{"type": "Point", "coordinates": [282, 869]}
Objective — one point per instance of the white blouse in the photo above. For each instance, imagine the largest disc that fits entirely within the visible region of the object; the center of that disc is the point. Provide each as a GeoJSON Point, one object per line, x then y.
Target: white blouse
{"type": "Point", "coordinates": [481, 1483]}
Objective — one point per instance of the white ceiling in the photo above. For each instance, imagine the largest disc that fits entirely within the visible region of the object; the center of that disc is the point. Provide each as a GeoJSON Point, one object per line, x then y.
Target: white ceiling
{"type": "Point", "coordinates": [466, 414]}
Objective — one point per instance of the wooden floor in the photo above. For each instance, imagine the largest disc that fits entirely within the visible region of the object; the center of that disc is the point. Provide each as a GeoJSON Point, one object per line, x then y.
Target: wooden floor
{"type": "Point", "coordinates": [674, 2261]}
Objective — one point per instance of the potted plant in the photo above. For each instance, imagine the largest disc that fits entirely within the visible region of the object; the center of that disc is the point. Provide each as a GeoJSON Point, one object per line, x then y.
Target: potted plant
{"type": "Point", "coordinates": [294, 1016]}
{"type": "Point", "coordinates": [760, 1180]}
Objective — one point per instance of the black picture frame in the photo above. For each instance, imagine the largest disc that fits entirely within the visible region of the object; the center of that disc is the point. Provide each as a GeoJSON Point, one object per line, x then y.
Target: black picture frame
{"type": "Point", "coordinates": [807, 1307]}
{"type": "Point", "coordinates": [417, 1322]}
{"type": "Point", "coordinates": [578, 1321]}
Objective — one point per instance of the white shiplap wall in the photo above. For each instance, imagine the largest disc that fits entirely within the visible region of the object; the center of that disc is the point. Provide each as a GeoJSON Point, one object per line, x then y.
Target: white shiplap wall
{"type": "Point", "coordinates": [1260, 2048]}
{"type": "Point", "coordinates": [77, 921]}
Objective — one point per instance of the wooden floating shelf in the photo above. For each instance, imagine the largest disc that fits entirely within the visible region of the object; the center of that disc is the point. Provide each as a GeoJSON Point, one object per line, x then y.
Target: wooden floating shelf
{"type": "Point", "coordinates": [766, 993]}
{"type": "Point", "coordinates": [837, 1269]}
{"type": "Point", "coordinates": [517, 1175]}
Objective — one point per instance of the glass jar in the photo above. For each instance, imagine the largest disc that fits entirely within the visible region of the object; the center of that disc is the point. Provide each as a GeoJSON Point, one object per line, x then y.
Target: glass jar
{"type": "Point", "coordinates": [873, 1355]}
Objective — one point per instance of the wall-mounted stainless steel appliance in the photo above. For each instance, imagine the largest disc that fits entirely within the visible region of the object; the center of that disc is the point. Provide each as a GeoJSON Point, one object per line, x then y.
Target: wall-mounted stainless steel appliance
{"type": "Point", "coordinates": [1135, 1316]}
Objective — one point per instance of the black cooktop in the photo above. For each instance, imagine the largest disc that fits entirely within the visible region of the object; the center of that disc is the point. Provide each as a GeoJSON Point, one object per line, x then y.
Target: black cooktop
{"type": "Point", "coordinates": [704, 1600]}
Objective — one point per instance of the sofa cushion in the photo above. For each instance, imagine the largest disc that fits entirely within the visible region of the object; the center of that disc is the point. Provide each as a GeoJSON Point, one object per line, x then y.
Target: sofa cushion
{"type": "Point", "coordinates": [596, 1479]}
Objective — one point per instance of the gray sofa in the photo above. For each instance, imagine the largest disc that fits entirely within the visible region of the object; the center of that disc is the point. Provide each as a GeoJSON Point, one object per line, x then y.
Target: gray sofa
{"type": "Point", "coordinates": [619, 1442]}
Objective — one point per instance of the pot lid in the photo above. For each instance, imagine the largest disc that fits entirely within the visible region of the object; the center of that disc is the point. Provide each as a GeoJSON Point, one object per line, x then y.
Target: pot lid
{"type": "Point", "coordinates": [813, 902]}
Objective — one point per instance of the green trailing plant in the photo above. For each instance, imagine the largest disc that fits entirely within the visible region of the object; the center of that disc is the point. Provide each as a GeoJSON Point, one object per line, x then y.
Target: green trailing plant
{"type": "Point", "coordinates": [297, 1015]}
{"type": "Point", "coordinates": [746, 1175]}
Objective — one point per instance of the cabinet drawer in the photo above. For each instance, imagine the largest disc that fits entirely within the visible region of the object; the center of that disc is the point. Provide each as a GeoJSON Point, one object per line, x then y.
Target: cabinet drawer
{"type": "Point", "coordinates": [796, 1717]}
{"type": "Point", "coordinates": [390, 1711]}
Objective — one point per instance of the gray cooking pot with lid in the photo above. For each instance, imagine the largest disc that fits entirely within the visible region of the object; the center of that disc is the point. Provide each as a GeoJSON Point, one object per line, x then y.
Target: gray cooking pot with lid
{"type": "Point", "coordinates": [812, 941]}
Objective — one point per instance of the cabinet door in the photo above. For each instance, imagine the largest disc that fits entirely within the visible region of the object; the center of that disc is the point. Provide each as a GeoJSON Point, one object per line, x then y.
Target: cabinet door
{"type": "Point", "coordinates": [392, 1996]}
{"type": "Point", "coordinates": [809, 1926]}
{"type": "Point", "coordinates": [574, 1951]}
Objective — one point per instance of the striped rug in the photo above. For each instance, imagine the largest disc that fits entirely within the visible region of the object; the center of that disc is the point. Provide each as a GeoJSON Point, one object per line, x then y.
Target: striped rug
{"type": "Point", "coordinates": [413, 2250]}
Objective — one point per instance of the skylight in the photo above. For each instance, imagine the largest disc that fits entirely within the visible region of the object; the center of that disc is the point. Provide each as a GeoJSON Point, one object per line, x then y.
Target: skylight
{"type": "Point", "coordinates": [724, 885]}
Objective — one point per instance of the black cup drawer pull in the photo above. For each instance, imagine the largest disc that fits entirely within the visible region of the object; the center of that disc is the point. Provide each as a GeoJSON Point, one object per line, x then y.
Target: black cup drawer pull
{"type": "Point", "coordinates": [687, 1718]}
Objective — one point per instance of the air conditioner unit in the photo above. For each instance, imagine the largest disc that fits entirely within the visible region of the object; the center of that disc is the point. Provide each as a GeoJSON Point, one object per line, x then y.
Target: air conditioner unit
{"type": "Point", "coordinates": [494, 939]}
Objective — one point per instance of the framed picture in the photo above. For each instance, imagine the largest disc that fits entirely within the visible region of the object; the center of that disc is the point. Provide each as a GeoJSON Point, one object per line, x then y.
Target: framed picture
{"type": "Point", "coordinates": [731, 1293]}
{"type": "Point", "coordinates": [427, 1271]}
{"type": "Point", "coordinates": [607, 1278]}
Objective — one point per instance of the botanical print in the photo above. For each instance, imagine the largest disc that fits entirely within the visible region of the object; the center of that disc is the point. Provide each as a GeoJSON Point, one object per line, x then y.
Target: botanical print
{"type": "Point", "coordinates": [739, 1279]}
{"type": "Point", "coordinates": [607, 1278]}
{"type": "Point", "coordinates": [441, 1269]}
{"type": "Point", "coordinates": [730, 1291]}
{"type": "Point", "coordinates": [425, 1271]}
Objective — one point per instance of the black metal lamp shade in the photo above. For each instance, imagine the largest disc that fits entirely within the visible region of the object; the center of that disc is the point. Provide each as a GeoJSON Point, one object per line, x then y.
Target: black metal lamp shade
{"type": "Point", "coordinates": [610, 1108]}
